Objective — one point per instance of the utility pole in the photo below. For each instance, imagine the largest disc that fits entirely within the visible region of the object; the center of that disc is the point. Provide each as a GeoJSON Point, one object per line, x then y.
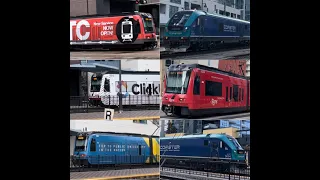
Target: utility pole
{"type": "Point", "coordinates": [87, 7]}
{"type": "Point", "coordinates": [120, 89]}
{"type": "Point", "coordinates": [224, 7]}
{"type": "Point", "coordinates": [202, 5]}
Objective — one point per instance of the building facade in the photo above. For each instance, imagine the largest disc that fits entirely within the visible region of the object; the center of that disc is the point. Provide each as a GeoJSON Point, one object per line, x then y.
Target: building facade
{"type": "Point", "coordinates": [234, 66]}
{"type": "Point", "coordinates": [248, 68]}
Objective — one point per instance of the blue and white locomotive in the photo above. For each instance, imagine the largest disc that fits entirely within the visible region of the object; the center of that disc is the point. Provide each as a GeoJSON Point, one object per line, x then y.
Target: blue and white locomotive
{"type": "Point", "coordinates": [194, 29]}
{"type": "Point", "coordinates": [102, 148]}
{"type": "Point", "coordinates": [204, 146]}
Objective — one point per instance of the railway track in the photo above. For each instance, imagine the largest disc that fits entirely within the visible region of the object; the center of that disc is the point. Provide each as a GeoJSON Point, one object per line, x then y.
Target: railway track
{"type": "Point", "coordinates": [221, 49]}
{"type": "Point", "coordinates": [184, 173]}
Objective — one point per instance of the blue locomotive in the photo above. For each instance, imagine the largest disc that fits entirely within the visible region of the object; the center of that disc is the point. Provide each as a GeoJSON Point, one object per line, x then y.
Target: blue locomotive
{"type": "Point", "coordinates": [203, 147]}
{"type": "Point", "coordinates": [194, 29]}
{"type": "Point", "coordinates": [100, 148]}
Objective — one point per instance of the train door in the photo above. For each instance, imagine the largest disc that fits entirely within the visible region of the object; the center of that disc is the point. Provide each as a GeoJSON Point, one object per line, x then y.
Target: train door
{"type": "Point", "coordinates": [214, 149]}
{"type": "Point", "coordinates": [200, 25]}
{"type": "Point", "coordinates": [196, 91]}
{"type": "Point", "coordinates": [133, 152]}
{"type": "Point", "coordinates": [141, 151]}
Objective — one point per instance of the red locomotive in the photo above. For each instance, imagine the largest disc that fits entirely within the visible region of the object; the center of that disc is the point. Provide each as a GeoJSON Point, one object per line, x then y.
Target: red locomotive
{"type": "Point", "coordinates": [126, 30]}
{"type": "Point", "coordinates": [196, 90]}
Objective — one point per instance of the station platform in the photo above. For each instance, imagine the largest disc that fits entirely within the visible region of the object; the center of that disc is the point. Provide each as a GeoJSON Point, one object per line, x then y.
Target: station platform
{"type": "Point", "coordinates": [146, 173]}
{"type": "Point", "coordinates": [125, 115]}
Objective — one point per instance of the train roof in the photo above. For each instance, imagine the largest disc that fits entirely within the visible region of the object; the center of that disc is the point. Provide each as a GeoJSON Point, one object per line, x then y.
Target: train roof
{"type": "Point", "coordinates": [212, 69]}
{"type": "Point", "coordinates": [199, 12]}
{"type": "Point", "coordinates": [115, 133]}
{"type": "Point", "coordinates": [108, 15]}
{"type": "Point", "coordinates": [197, 136]}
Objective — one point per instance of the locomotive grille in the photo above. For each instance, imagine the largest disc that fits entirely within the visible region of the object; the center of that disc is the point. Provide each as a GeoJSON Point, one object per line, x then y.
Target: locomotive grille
{"type": "Point", "coordinates": [175, 28]}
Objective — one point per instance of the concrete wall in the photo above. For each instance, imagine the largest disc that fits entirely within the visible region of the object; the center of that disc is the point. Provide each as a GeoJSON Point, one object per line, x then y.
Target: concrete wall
{"type": "Point", "coordinates": [229, 131]}
{"type": "Point", "coordinates": [72, 144]}
{"type": "Point", "coordinates": [174, 134]}
{"type": "Point", "coordinates": [79, 7]}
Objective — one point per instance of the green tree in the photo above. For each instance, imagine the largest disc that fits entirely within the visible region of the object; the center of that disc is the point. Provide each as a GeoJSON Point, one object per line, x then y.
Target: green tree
{"type": "Point", "coordinates": [171, 128]}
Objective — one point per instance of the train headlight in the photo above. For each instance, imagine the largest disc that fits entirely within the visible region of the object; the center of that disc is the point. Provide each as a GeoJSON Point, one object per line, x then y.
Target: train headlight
{"type": "Point", "coordinates": [166, 98]}
{"type": "Point", "coordinates": [185, 29]}
{"type": "Point", "coordinates": [166, 37]}
{"type": "Point", "coordinates": [181, 99]}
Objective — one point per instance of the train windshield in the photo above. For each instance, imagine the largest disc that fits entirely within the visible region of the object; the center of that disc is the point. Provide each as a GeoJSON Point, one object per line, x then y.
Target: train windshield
{"type": "Point", "coordinates": [235, 142]}
{"type": "Point", "coordinates": [95, 83]}
{"type": "Point", "coordinates": [180, 18]}
{"type": "Point", "coordinates": [177, 82]}
{"type": "Point", "coordinates": [81, 143]}
{"type": "Point", "coordinates": [148, 24]}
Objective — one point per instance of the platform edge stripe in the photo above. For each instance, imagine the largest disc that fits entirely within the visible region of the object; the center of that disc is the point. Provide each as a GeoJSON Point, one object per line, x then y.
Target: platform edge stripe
{"type": "Point", "coordinates": [124, 177]}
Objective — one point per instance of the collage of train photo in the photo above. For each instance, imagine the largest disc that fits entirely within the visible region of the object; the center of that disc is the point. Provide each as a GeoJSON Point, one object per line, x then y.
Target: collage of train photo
{"type": "Point", "coordinates": [159, 89]}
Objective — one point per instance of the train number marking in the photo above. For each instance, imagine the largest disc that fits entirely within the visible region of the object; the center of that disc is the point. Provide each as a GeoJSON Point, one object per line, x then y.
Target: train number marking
{"type": "Point", "coordinates": [214, 102]}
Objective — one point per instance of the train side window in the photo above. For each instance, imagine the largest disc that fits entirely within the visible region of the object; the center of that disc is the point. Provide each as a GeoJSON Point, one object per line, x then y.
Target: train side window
{"type": "Point", "coordinates": [242, 94]}
{"type": "Point", "coordinates": [246, 27]}
{"type": "Point", "coordinates": [235, 93]}
{"type": "Point", "coordinates": [206, 142]}
{"type": "Point", "coordinates": [213, 88]}
{"type": "Point", "coordinates": [239, 94]}
{"type": "Point", "coordinates": [227, 94]}
{"type": "Point", "coordinates": [107, 85]}
{"type": "Point", "coordinates": [230, 93]}
{"type": "Point", "coordinates": [196, 86]}
{"type": "Point", "coordinates": [93, 145]}
{"type": "Point", "coordinates": [139, 150]}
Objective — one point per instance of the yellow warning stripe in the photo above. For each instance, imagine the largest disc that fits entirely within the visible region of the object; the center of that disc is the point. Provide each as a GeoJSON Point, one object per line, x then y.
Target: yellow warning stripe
{"type": "Point", "coordinates": [126, 177]}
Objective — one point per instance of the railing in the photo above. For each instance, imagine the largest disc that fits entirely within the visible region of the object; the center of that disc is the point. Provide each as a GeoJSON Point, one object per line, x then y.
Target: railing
{"type": "Point", "coordinates": [112, 162]}
{"type": "Point", "coordinates": [130, 102]}
{"type": "Point", "coordinates": [175, 168]}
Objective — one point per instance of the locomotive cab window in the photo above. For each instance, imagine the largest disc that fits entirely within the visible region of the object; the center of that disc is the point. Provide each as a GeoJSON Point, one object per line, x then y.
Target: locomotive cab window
{"type": "Point", "coordinates": [206, 142]}
{"type": "Point", "coordinates": [230, 93]}
{"type": "Point", "coordinates": [107, 85]}
{"type": "Point", "coordinates": [93, 145]}
{"type": "Point", "coordinates": [140, 150]}
{"type": "Point", "coordinates": [196, 86]}
{"type": "Point", "coordinates": [95, 83]}
{"type": "Point", "coordinates": [148, 25]}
